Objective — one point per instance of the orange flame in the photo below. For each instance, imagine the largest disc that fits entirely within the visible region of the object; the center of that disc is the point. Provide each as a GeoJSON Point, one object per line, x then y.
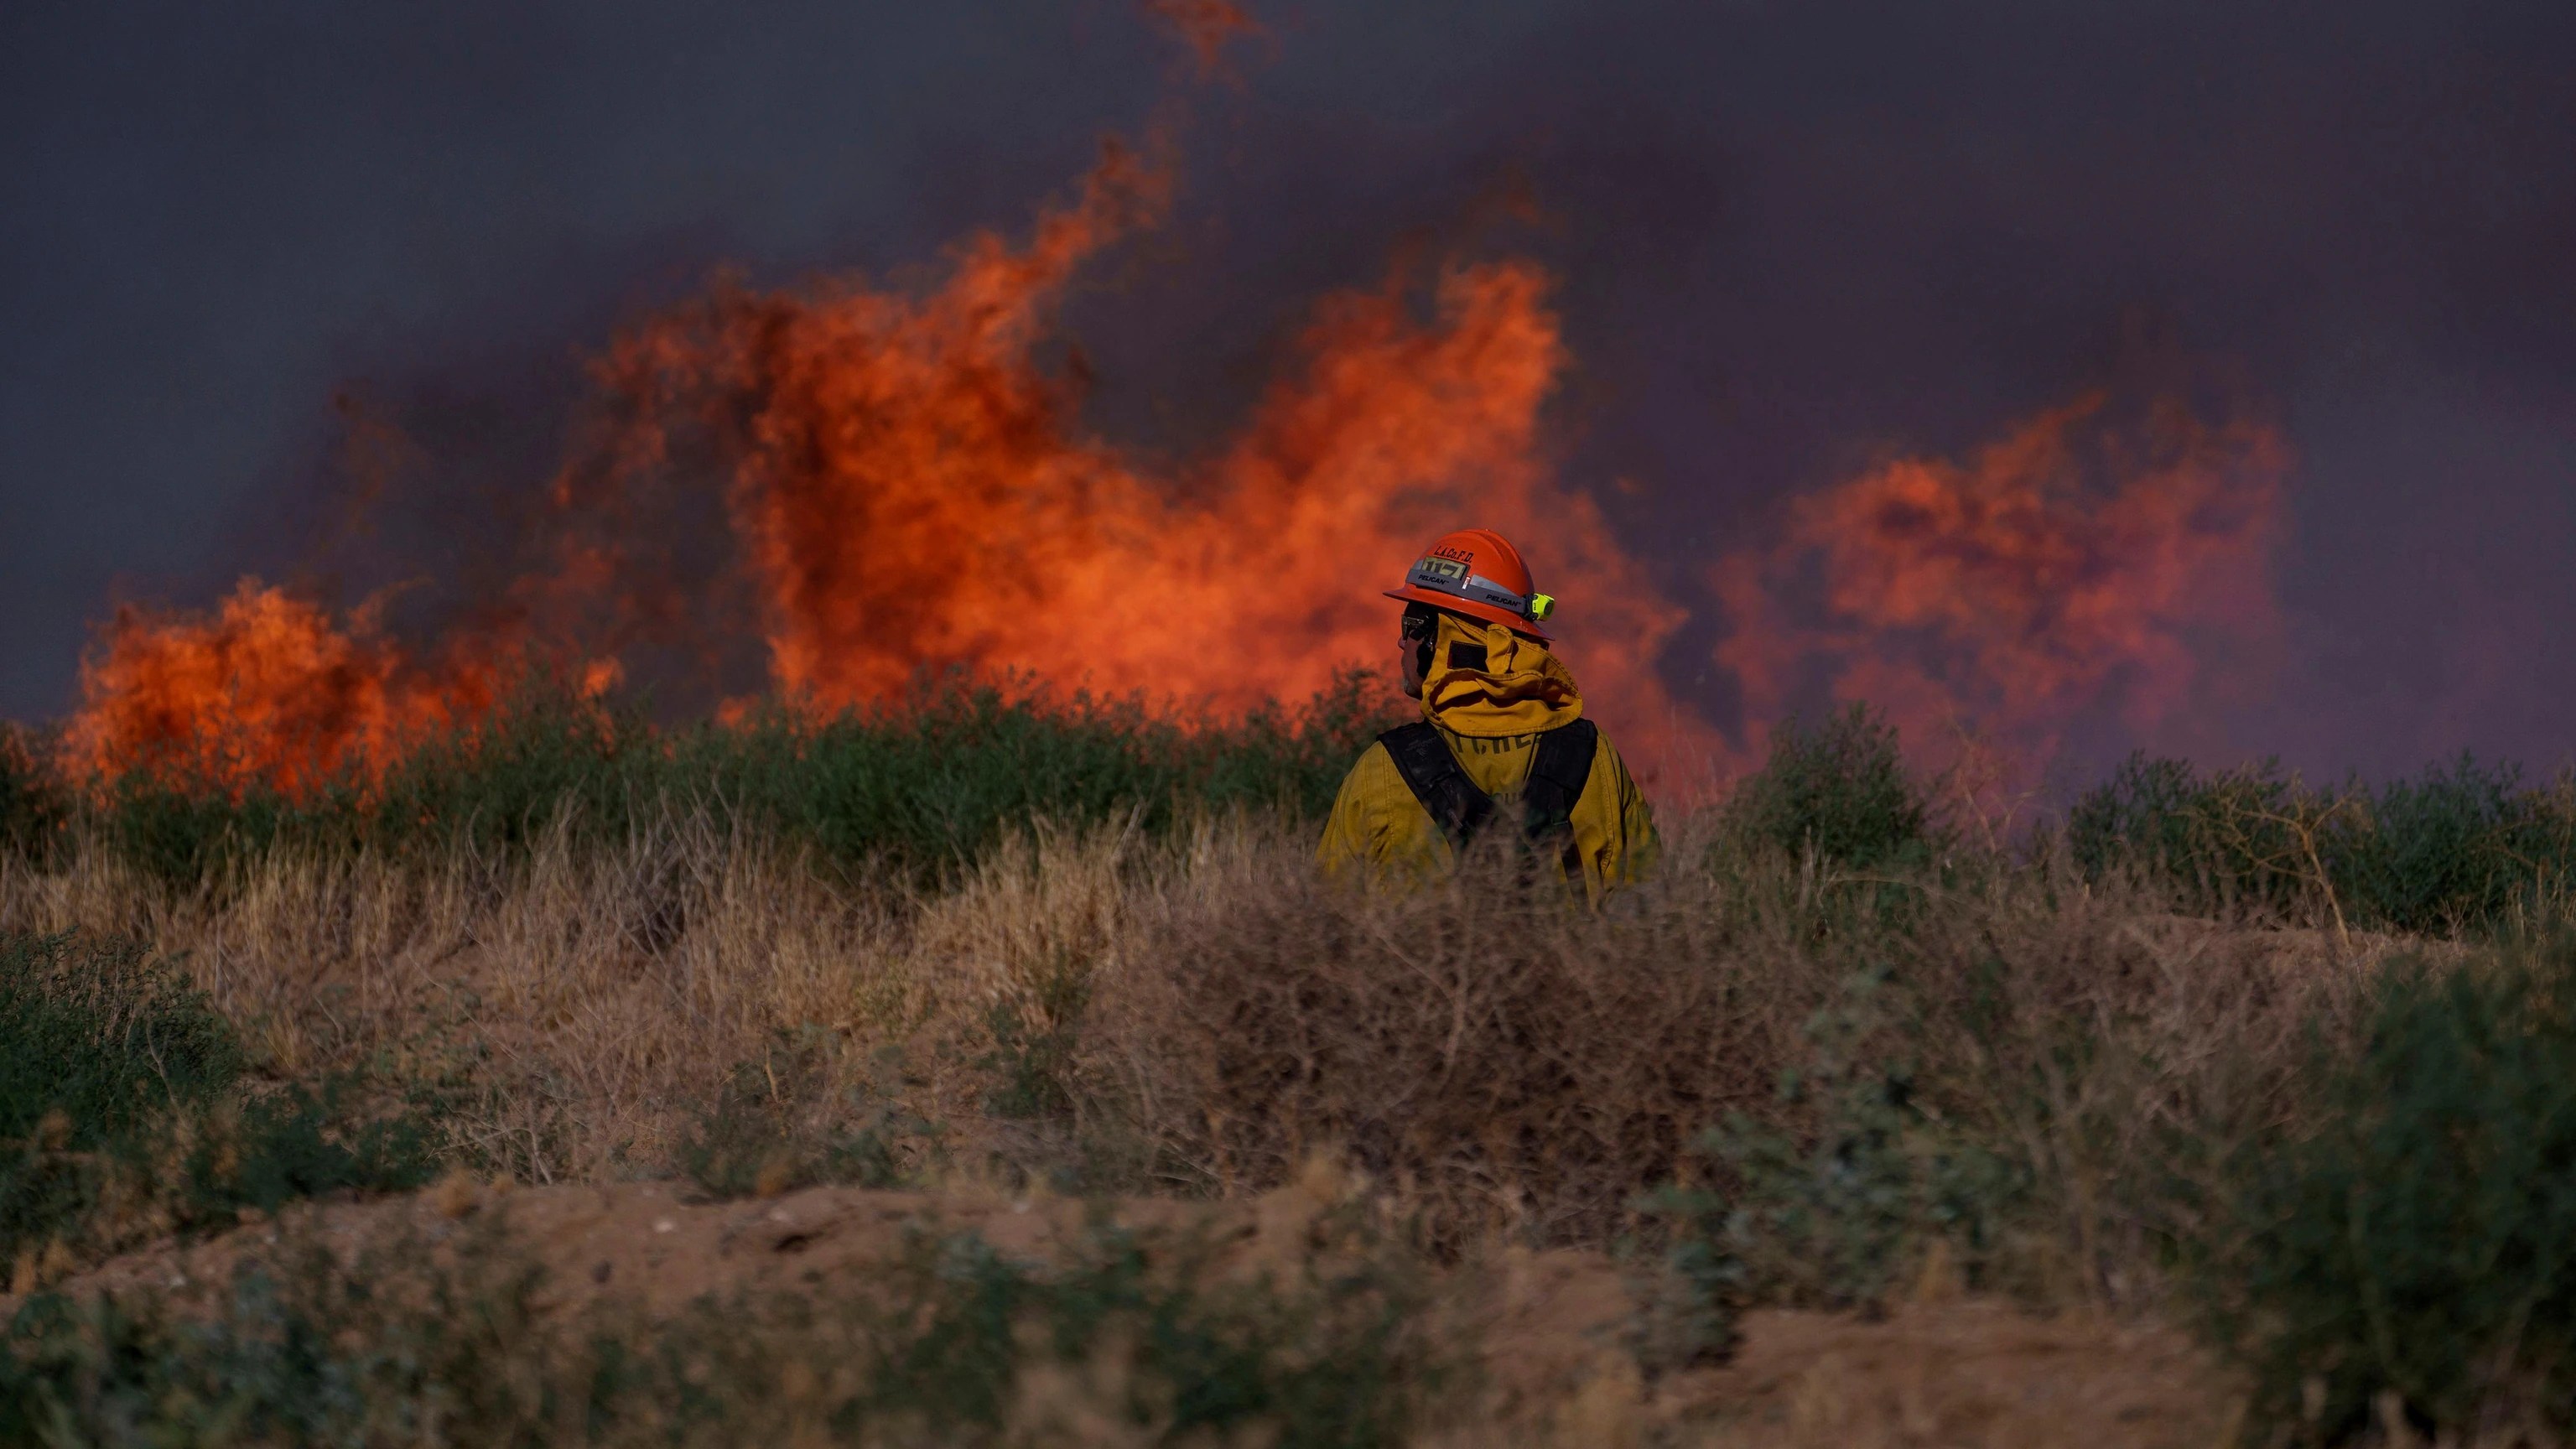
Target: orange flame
{"type": "Point", "coordinates": [910, 488]}
{"type": "Point", "coordinates": [907, 486]}
{"type": "Point", "coordinates": [2070, 570]}
{"type": "Point", "coordinates": [267, 690]}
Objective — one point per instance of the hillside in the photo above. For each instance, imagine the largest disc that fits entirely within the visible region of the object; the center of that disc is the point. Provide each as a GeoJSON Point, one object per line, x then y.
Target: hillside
{"type": "Point", "coordinates": [359, 1117]}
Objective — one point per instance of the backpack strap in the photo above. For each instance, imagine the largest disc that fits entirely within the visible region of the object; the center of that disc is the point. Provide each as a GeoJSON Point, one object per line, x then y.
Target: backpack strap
{"type": "Point", "coordinates": [1557, 777]}
{"type": "Point", "coordinates": [1563, 764]}
{"type": "Point", "coordinates": [1438, 780]}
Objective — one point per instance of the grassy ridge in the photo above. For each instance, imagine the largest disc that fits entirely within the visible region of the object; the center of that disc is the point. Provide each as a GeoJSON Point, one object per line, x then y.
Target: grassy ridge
{"type": "Point", "coordinates": [922, 789]}
{"type": "Point", "coordinates": [1834, 1052]}
{"type": "Point", "coordinates": [934, 785]}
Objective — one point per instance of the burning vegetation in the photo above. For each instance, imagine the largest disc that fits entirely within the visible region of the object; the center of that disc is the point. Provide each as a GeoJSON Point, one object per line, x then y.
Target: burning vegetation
{"type": "Point", "coordinates": [897, 482]}
{"type": "Point", "coordinates": [909, 489]}
{"type": "Point", "coordinates": [997, 892]}
{"type": "Point", "coordinates": [2071, 570]}
{"type": "Point", "coordinates": [266, 688]}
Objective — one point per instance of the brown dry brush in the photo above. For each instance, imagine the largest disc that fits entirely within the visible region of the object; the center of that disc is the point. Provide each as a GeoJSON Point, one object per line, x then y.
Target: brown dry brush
{"type": "Point", "coordinates": [1507, 1061]}
{"type": "Point", "coordinates": [1200, 1013]}
{"type": "Point", "coordinates": [1489, 1048]}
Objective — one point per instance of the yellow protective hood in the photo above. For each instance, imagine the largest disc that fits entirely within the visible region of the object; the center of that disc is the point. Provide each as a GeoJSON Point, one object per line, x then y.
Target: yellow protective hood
{"type": "Point", "coordinates": [1521, 688]}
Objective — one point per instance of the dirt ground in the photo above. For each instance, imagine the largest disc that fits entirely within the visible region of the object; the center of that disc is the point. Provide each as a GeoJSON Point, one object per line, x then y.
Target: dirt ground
{"type": "Point", "coordinates": [1963, 1372]}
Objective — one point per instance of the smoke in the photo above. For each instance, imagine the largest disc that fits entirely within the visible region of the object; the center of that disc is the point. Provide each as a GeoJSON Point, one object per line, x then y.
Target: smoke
{"type": "Point", "coordinates": [1207, 27]}
{"type": "Point", "coordinates": [2072, 572]}
{"type": "Point", "coordinates": [851, 482]}
{"type": "Point", "coordinates": [908, 489]}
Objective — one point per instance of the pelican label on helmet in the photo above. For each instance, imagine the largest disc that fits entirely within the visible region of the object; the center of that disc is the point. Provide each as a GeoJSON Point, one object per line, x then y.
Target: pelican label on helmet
{"type": "Point", "coordinates": [1450, 576]}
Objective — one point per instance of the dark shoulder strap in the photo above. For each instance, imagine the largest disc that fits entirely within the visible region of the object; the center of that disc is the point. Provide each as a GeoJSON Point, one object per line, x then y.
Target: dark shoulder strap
{"type": "Point", "coordinates": [1438, 780]}
{"type": "Point", "coordinates": [1557, 776]}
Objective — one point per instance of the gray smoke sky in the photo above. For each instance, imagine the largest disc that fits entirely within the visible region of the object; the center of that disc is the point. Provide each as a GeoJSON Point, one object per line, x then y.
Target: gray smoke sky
{"type": "Point", "coordinates": [1791, 237]}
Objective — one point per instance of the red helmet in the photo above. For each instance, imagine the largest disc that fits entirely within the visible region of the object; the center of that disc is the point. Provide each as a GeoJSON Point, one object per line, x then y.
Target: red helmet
{"type": "Point", "coordinates": [1477, 572]}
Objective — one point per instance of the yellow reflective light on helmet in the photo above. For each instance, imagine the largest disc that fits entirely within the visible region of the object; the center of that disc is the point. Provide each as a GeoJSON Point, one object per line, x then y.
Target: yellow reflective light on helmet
{"type": "Point", "coordinates": [1541, 605]}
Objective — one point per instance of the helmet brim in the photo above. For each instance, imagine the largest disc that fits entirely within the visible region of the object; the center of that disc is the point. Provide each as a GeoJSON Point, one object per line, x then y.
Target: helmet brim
{"type": "Point", "coordinates": [1490, 613]}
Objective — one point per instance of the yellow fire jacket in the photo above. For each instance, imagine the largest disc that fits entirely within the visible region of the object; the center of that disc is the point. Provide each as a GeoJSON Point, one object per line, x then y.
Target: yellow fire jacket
{"type": "Point", "coordinates": [1491, 719]}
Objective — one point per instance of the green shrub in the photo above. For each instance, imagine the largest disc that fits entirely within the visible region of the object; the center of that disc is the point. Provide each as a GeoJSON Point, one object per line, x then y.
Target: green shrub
{"type": "Point", "coordinates": [1839, 791]}
{"type": "Point", "coordinates": [122, 1094]}
{"type": "Point", "coordinates": [493, 785]}
{"type": "Point", "coordinates": [2239, 838]}
{"type": "Point", "coordinates": [2464, 847]}
{"type": "Point", "coordinates": [1036, 1045]}
{"type": "Point", "coordinates": [1692, 1290]}
{"type": "Point", "coordinates": [297, 1143]}
{"type": "Point", "coordinates": [104, 1035]}
{"type": "Point", "coordinates": [948, 777]}
{"type": "Point", "coordinates": [1835, 1197]}
{"type": "Point", "coordinates": [187, 835]}
{"type": "Point", "coordinates": [2418, 1236]}
{"type": "Point", "coordinates": [31, 807]}
{"type": "Point", "coordinates": [924, 787]}
{"type": "Point", "coordinates": [2460, 847]}
{"type": "Point", "coordinates": [931, 1349]}
{"type": "Point", "coordinates": [97, 1044]}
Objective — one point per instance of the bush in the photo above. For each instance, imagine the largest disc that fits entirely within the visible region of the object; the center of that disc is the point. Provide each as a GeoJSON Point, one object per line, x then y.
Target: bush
{"type": "Point", "coordinates": [1693, 1290]}
{"type": "Point", "coordinates": [1841, 1188]}
{"type": "Point", "coordinates": [1838, 1214]}
{"type": "Point", "coordinates": [954, 1343]}
{"type": "Point", "coordinates": [298, 1143]}
{"type": "Point", "coordinates": [1520, 1062]}
{"type": "Point", "coordinates": [2224, 839]}
{"type": "Point", "coordinates": [2459, 848]}
{"type": "Point", "coordinates": [2419, 1239]}
{"type": "Point", "coordinates": [97, 1044]}
{"type": "Point", "coordinates": [123, 1108]}
{"type": "Point", "coordinates": [1839, 791]}
{"type": "Point", "coordinates": [31, 808]}
{"type": "Point", "coordinates": [184, 835]}
{"type": "Point", "coordinates": [2465, 847]}
{"type": "Point", "coordinates": [493, 785]}
{"type": "Point", "coordinates": [925, 787]}
{"type": "Point", "coordinates": [942, 782]}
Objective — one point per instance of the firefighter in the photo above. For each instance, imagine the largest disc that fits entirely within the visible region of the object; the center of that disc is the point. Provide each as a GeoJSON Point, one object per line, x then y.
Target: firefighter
{"type": "Point", "coordinates": [1502, 742]}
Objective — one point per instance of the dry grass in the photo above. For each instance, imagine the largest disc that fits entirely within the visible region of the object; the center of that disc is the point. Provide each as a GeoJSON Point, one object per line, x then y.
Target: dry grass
{"type": "Point", "coordinates": [1201, 1015]}
{"type": "Point", "coordinates": [580, 998]}
{"type": "Point", "coordinates": [1511, 1064]}
{"type": "Point", "coordinates": [1498, 1053]}
{"type": "Point", "coordinates": [1210, 1011]}
{"type": "Point", "coordinates": [587, 1003]}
